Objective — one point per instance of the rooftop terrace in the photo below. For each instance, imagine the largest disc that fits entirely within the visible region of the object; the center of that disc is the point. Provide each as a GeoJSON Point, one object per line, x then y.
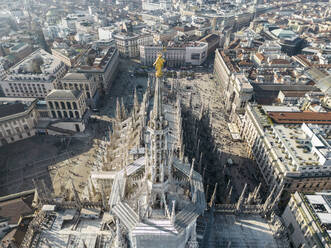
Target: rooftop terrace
{"type": "Point", "coordinates": [98, 62]}
{"type": "Point", "coordinates": [243, 231]}
{"type": "Point", "coordinates": [64, 228]}
{"type": "Point", "coordinates": [294, 146]}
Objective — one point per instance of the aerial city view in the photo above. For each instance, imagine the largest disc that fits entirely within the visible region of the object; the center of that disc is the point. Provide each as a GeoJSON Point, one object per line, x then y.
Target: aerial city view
{"type": "Point", "coordinates": [165, 123]}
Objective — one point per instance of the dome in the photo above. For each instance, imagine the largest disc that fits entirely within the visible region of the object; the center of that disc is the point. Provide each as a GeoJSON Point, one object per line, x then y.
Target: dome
{"type": "Point", "coordinates": [51, 12]}
{"type": "Point", "coordinates": [283, 33]}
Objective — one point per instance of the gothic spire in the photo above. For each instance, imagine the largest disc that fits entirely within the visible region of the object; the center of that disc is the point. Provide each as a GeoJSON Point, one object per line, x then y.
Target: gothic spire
{"type": "Point", "coordinates": [148, 90]}
{"type": "Point", "coordinates": [191, 170]}
{"type": "Point", "coordinates": [257, 192]}
{"type": "Point", "coordinates": [241, 198]}
{"type": "Point", "coordinates": [269, 199]}
{"type": "Point", "coordinates": [123, 110]}
{"type": "Point", "coordinates": [173, 212]}
{"type": "Point", "coordinates": [157, 108]}
{"type": "Point", "coordinates": [277, 198]}
{"type": "Point", "coordinates": [135, 101]}
{"type": "Point", "coordinates": [228, 186]}
{"type": "Point", "coordinates": [118, 110]}
{"type": "Point", "coordinates": [118, 237]}
{"type": "Point", "coordinates": [228, 198]}
{"type": "Point", "coordinates": [212, 200]}
{"type": "Point", "coordinates": [76, 196]}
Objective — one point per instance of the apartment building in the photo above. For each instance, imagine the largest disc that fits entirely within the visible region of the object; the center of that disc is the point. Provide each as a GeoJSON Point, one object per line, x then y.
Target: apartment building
{"type": "Point", "coordinates": [66, 104]}
{"type": "Point", "coordinates": [268, 74]}
{"type": "Point", "coordinates": [3, 72]}
{"type": "Point", "coordinates": [102, 68]}
{"type": "Point", "coordinates": [213, 41]}
{"type": "Point", "coordinates": [308, 220]}
{"type": "Point", "coordinates": [176, 55]}
{"type": "Point", "coordinates": [17, 121]}
{"type": "Point", "coordinates": [69, 108]}
{"type": "Point", "coordinates": [80, 82]}
{"type": "Point", "coordinates": [235, 86]}
{"type": "Point", "coordinates": [237, 96]}
{"type": "Point", "coordinates": [20, 50]}
{"type": "Point", "coordinates": [156, 5]}
{"type": "Point", "coordinates": [35, 76]}
{"type": "Point", "coordinates": [291, 148]}
{"type": "Point", "coordinates": [128, 43]}
{"type": "Point", "coordinates": [68, 56]}
{"type": "Point", "coordinates": [223, 70]}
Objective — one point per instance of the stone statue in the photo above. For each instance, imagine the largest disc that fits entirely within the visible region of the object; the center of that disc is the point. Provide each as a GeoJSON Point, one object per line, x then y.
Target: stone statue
{"type": "Point", "coordinates": [158, 64]}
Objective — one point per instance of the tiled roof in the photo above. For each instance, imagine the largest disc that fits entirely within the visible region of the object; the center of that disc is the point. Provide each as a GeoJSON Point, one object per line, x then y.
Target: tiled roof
{"type": "Point", "coordinates": [260, 56]}
{"type": "Point", "coordinates": [279, 61]}
{"type": "Point", "coordinates": [294, 93]}
{"type": "Point", "coordinates": [301, 117]}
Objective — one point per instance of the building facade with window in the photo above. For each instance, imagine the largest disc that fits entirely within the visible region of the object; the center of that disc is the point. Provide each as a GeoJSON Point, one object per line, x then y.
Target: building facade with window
{"type": "Point", "coordinates": [128, 43]}
{"type": "Point", "coordinates": [79, 81]}
{"type": "Point", "coordinates": [68, 107]}
{"type": "Point", "coordinates": [308, 220]}
{"type": "Point", "coordinates": [103, 71]}
{"type": "Point", "coordinates": [35, 76]}
{"type": "Point", "coordinates": [235, 86]}
{"type": "Point", "coordinates": [66, 104]}
{"type": "Point", "coordinates": [176, 55]}
{"type": "Point", "coordinates": [293, 152]}
{"type": "Point", "coordinates": [17, 121]}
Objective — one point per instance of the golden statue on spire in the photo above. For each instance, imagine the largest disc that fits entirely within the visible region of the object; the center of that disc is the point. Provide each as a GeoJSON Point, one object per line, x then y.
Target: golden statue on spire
{"type": "Point", "coordinates": [158, 64]}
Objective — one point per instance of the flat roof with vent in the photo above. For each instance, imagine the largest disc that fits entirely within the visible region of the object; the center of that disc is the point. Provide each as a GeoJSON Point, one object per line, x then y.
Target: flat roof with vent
{"type": "Point", "coordinates": [300, 117]}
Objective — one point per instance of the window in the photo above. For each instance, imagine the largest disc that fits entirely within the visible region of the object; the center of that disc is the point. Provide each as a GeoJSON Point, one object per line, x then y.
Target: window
{"type": "Point", "coordinates": [57, 106]}
{"type": "Point", "coordinates": [195, 56]}
{"type": "Point", "coordinates": [44, 114]}
{"type": "Point", "coordinates": [68, 105]}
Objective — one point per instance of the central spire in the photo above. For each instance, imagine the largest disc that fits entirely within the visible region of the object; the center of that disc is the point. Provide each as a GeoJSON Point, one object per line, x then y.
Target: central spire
{"type": "Point", "coordinates": [156, 151]}
{"type": "Point", "coordinates": [157, 108]}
